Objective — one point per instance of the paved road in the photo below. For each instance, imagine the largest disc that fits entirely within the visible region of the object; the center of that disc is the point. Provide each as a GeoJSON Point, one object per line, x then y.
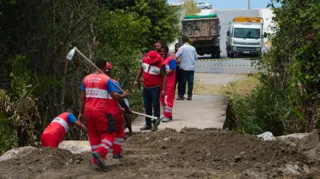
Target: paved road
{"type": "Point", "coordinates": [204, 111]}
{"type": "Point", "coordinates": [227, 66]}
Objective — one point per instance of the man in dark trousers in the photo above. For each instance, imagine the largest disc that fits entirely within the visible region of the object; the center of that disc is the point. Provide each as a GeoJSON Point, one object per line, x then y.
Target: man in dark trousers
{"type": "Point", "coordinates": [154, 74]}
{"type": "Point", "coordinates": [188, 56]}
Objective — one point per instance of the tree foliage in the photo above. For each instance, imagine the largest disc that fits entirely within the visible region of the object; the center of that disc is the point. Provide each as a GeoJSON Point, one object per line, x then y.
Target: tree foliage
{"type": "Point", "coordinates": [288, 100]}
{"type": "Point", "coordinates": [36, 36]}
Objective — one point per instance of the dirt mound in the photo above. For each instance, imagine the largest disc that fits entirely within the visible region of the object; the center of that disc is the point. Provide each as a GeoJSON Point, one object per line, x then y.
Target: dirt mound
{"type": "Point", "coordinates": [190, 153]}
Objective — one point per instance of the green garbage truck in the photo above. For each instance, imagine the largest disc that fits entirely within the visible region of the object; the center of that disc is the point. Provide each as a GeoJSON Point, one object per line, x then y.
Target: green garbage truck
{"type": "Point", "coordinates": [204, 31]}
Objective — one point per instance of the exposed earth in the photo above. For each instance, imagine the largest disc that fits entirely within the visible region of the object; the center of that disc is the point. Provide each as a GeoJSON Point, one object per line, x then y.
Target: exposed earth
{"type": "Point", "coordinates": [190, 153]}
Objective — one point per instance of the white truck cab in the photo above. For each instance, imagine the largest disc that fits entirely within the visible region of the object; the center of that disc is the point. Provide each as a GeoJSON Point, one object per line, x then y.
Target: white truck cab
{"type": "Point", "coordinates": [245, 36]}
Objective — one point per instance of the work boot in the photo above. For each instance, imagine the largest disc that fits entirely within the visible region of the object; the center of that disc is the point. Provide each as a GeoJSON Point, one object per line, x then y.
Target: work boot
{"type": "Point", "coordinates": [166, 119]}
{"type": "Point", "coordinates": [189, 98]}
{"type": "Point", "coordinates": [156, 124]}
{"type": "Point", "coordinates": [146, 127]}
{"type": "Point", "coordinates": [96, 167]}
{"type": "Point", "coordinates": [180, 98]}
{"type": "Point", "coordinates": [100, 162]}
{"type": "Point", "coordinates": [117, 156]}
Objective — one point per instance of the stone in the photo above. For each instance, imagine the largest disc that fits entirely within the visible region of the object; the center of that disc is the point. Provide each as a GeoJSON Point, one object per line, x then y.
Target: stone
{"type": "Point", "coordinates": [301, 141]}
{"type": "Point", "coordinates": [17, 153]}
{"type": "Point", "coordinates": [237, 158]}
{"type": "Point", "coordinates": [75, 146]}
{"type": "Point", "coordinates": [291, 170]}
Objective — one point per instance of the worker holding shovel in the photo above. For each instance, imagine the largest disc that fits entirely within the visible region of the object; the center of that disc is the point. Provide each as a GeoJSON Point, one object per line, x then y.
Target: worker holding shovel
{"type": "Point", "coordinates": [118, 117]}
{"type": "Point", "coordinates": [154, 75]}
{"type": "Point", "coordinates": [98, 93]}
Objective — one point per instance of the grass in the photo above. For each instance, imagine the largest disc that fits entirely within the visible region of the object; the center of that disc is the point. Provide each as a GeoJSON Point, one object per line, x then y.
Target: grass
{"type": "Point", "coordinates": [241, 87]}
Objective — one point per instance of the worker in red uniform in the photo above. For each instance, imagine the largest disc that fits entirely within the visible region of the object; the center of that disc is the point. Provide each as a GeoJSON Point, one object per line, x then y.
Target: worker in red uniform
{"type": "Point", "coordinates": [154, 75]}
{"type": "Point", "coordinates": [58, 128]}
{"type": "Point", "coordinates": [97, 93]}
{"type": "Point", "coordinates": [168, 99]}
{"type": "Point", "coordinates": [118, 117]}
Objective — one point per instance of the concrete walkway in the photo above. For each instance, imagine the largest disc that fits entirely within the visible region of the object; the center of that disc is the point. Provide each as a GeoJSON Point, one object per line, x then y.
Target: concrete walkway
{"type": "Point", "coordinates": [202, 112]}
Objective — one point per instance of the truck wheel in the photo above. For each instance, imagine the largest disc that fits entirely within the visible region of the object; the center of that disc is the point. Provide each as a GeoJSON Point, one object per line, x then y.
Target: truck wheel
{"type": "Point", "coordinates": [232, 55]}
{"type": "Point", "coordinates": [218, 55]}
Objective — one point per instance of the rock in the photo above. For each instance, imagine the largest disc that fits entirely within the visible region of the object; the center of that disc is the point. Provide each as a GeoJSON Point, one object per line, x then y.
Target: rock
{"type": "Point", "coordinates": [17, 153]}
{"type": "Point", "coordinates": [168, 138]}
{"type": "Point", "coordinates": [237, 158]}
{"type": "Point", "coordinates": [291, 170]}
{"type": "Point", "coordinates": [266, 136]}
{"type": "Point", "coordinates": [301, 141]}
{"type": "Point", "coordinates": [313, 154]}
{"type": "Point", "coordinates": [164, 147]}
{"type": "Point", "coordinates": [75, 146]}
{"type": "Point", "coordinates": [305, 143]}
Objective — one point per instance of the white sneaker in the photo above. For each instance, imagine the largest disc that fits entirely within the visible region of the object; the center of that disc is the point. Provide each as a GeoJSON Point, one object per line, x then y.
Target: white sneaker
{"type": "Point", "coordinates": [166, 119]}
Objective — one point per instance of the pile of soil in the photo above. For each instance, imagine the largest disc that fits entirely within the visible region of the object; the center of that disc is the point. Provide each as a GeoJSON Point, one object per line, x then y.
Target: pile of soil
{"type": "Point", "coordinates": [190, 153]}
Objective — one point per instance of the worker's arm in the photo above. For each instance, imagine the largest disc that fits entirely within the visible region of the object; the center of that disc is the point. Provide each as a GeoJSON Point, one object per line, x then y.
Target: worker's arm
{"type": "Point", "coordinates": [172, 67]}
{"type": "Point", "coordinates": [139, 74]}
{"type": "Point", "coordinates": [124, 105]}
{"type": "Point", "coordinates": [179, 52]}
{"type": "Point", "coordinates": [82, 102]}
{"type": "Point", "coordinates": [112, 89]}
{"type": "Point", "coordinates": [81, 126]}
{"type": "Point", "coordinates": [121, 101]}
{"type": "Point", "coordinates": [164, 79]}
{"type": "Point", "coordinates": [129, 124]}
{"type": "Point", "coordinates": [73, 120]}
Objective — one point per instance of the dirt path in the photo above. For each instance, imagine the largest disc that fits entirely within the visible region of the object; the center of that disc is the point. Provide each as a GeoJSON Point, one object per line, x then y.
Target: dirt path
{"type": "Point", "coordinates": [190, 153]}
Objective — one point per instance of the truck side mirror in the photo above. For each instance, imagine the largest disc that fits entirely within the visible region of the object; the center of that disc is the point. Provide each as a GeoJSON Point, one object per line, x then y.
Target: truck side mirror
{"type": "Point", "coordinates": [228, 33]}
{"type": "Point", "coordinates": [265, 34]}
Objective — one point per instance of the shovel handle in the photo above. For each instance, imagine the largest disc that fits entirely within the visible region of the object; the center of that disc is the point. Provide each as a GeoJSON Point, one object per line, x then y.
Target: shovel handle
{"type": "Point", "coordinates": [142, 114]}
{"type": "Point", "coordinates": [95, 66]}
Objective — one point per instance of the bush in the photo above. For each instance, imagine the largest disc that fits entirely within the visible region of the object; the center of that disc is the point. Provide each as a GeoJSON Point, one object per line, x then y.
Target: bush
{"type": "Point", "coordinates": [288, 99]}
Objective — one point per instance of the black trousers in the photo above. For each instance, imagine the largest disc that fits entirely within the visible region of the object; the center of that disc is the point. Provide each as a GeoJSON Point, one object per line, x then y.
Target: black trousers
{"type": "Point", "coordinates": [179, 80]}
{"type": "Point", "coordinates": [188, 76]}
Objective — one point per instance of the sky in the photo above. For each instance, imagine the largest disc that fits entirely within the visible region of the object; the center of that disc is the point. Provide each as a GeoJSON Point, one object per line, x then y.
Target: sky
{"type": "Point", "coordinates": [226, 4]}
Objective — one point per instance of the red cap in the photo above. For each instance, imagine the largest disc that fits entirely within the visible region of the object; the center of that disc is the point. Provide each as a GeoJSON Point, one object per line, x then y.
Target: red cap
{"type": "Point", "coordinates": [108, 66]}
{"type": "Point", "coordinates": [153, 56]}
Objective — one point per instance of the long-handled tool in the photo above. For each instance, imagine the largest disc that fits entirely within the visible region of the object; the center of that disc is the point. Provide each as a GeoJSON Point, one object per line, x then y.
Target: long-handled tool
{"type": "Point", "coordinates": [71, 54]}
{"type": "Point", "coordinates": [141, 114]}
{"type": "Point", "coordinates": [156, 124]}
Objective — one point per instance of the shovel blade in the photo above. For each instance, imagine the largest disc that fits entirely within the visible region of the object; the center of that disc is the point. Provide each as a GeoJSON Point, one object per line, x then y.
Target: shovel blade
{"type": "Point", "coordinates": [71, 54]}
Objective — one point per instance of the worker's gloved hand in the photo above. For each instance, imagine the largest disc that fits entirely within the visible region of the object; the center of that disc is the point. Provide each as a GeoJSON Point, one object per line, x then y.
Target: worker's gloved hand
{"type": "Point", "coordinates": [128, 110]}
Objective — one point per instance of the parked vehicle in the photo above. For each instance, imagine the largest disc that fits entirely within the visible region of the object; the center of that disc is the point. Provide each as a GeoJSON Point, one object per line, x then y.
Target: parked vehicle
{"type": "Point", "coordinates": [245, 36]}
{"type": "Point", "coordinates": [204, 31]}
{"type": "Point", "coordinates": [203, 5]}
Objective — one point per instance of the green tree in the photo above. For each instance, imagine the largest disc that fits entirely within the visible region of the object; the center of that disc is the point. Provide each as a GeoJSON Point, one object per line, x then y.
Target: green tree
{"type": "Point", "coordinates": [288, 99]}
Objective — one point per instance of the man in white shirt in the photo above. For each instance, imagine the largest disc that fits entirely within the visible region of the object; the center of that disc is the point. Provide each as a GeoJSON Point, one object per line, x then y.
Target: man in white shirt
{"type": "Point", "coordinates": [188, 56]}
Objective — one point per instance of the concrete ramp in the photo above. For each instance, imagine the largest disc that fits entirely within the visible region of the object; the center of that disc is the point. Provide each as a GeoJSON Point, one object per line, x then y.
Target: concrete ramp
{"type": "Point", "coordinates": [204, 111]}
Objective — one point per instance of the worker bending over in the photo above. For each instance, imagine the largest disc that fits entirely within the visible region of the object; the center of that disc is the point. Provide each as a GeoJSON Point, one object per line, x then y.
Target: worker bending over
{"type": "Point", "coordinates": [97, 94]}
{"type": "Point", "coordinates": [58, 128]}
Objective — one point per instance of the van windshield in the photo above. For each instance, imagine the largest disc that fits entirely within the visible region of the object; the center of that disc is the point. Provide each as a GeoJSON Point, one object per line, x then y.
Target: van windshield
{"type": "Point", "coordinates": [246, 33]}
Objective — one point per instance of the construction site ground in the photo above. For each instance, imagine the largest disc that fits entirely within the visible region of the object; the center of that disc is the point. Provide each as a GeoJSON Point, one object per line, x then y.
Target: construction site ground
{"type": "Point", "coordinates": [197, 151]}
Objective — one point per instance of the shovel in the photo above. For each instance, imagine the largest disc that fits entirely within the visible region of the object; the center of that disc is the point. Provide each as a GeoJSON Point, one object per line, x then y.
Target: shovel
{"type": "Point", "coordinates": [155, 126]}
